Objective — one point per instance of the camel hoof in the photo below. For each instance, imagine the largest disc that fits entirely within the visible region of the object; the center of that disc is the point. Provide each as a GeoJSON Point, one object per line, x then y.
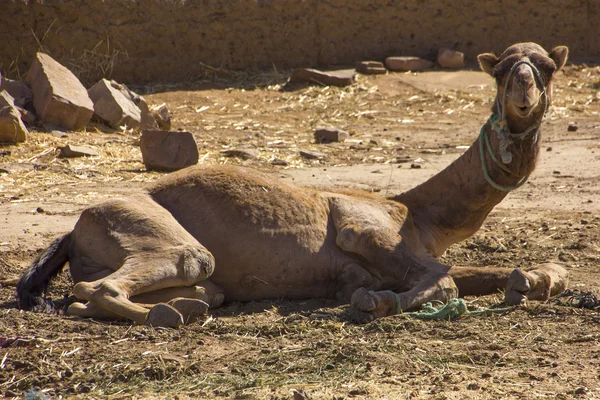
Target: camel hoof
{"type": "Point", "coordinates": [165, 316]}
{"type": "Point", "coordinates": [190, 309]}
{"type": "Point", "coordinates": [362, 300]}
{"type": "Point", "coordinates": [516, 288]}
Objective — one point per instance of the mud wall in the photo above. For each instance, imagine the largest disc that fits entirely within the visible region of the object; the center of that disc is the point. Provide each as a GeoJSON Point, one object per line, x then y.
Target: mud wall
{"type": "Point", "coordinates": [141, 41]}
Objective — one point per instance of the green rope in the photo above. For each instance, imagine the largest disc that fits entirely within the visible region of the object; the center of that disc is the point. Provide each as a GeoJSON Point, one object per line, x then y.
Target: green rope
{"type": "Point", "coordinates": [456, 308]}
{"type": "Point", "coordinates": [483, 137]}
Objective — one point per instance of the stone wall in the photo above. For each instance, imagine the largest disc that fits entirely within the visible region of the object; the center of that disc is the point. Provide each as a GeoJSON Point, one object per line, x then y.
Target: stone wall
{"type": "Point", "coordinates": [141, 41]}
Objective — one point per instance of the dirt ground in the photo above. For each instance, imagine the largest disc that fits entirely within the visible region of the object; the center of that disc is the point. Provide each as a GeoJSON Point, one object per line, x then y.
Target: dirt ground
{"type": "Point", "coordinates": [404, 128]}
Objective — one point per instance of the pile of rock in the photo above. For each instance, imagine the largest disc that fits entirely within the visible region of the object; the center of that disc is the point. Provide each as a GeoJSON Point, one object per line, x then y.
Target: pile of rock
{"type": "Point", "coordinates": [446, 58]}
{"type": "Point", "coordinates": [52, 96]}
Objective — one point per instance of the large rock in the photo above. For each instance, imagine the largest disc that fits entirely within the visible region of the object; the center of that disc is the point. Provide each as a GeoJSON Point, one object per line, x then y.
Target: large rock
{"type": "Point", "coordinates": [112, 106]}
{"type": "Point", "coordinates": [403, 64]}
{"type": "Point", "coordinates": [452, 59]}
{"type": "Point", "coordinates": [147, 117]}
{"type": "Point", "coordinates": [12, 129]}
{"type": "Point", "coordinates": [58, 96]}
{"type": "Point", "coordinates": [342, 77]}
{"type": "Point", "coordinates": [168, 151]}
{"type": "Point", "coordinates": [19, 91]}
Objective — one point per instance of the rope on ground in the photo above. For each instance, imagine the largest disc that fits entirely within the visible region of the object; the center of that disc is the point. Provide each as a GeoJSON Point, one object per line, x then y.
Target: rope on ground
{"type": "Point", "coordinates": [455, 309]}
{"type": "Point", "coordinates": [578, 299]}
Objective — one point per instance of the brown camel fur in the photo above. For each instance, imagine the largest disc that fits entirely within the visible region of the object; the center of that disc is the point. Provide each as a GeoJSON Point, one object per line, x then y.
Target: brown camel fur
{"type": "Point", "coordinates": [205, 235]}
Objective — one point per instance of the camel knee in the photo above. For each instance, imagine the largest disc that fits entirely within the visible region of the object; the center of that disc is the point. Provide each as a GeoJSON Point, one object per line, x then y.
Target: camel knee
{"type": "Point", "coordinates": [196, 264]}
{"type": "Point", "coordinates": [447, 289]}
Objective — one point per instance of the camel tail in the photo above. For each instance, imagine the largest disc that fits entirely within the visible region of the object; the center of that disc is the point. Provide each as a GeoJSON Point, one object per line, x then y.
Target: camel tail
{"type": "Point", "coordinates": [33, 285]}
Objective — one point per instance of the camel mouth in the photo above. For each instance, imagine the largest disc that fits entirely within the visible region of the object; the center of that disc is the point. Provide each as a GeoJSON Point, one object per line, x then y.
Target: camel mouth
{"type": "Point", "coordinates": [523, 111]}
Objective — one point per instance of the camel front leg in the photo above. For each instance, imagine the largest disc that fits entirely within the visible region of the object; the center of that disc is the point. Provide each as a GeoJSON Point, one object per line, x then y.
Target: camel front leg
{"type": "Point", "coordinates": [539, 282]}
{"type": "Point", "coordinates": [366, 306]}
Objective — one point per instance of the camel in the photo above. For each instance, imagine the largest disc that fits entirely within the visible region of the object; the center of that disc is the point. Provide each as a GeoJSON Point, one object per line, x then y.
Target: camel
{"type": "Point", "coordinates": [206, 235]}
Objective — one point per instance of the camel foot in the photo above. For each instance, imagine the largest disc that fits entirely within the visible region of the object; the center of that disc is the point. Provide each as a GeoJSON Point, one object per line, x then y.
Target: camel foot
{"type": "Point", "coordinates": [164, 315]}
{"type": "Point", "coordinates": [516, 288]}
{"type": "Point", "coordinates": [190, 309]}
{"type": "Point", "coordinates": [366, 306]}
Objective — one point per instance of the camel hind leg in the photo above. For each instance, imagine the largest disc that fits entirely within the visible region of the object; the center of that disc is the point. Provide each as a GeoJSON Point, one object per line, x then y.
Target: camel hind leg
{"type": "Point", "coordinates": [128, 247]}
{"type": "Point", "coordinates": [189, 301]}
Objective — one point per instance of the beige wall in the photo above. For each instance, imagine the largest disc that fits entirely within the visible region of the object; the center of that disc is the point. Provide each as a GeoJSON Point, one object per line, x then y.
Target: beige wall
{"type": "Point", "coordinates": [164, 40]}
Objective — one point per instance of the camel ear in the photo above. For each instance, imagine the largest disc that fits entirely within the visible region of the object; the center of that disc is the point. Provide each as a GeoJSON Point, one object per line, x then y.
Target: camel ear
{"type": "Point", "coordinates": [487, 62]}
{"type": "Point", "coordinates": [559, 55]}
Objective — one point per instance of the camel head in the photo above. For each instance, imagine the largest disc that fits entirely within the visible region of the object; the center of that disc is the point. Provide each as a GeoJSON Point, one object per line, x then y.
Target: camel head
{"type": "Point", "coordinates": [523, 73]}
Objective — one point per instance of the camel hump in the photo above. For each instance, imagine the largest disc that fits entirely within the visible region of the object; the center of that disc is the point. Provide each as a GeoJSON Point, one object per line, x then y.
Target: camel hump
{"type": "Point", "coordinates": [35, 281]}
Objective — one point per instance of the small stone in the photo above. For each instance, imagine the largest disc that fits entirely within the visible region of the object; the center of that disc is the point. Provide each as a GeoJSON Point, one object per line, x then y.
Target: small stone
{"type": "Point", "coordinates": [59, 134]}
{"type": "Point", "coordinates": [415, 166]}
{"type": "Point", "coordinates": [112, 106]}
{"type": "Point", "coordinates": [299, 394]}
{"type": "Point", "coordinates": [28, 117]}
{"type": "Point", "coordinates": [549, 148]}
{"type": "Point", "coordinates": [581, 390]}
{"type": "Point", "coordinates": [370, 67]}
{"type": "Point", "coordinates": [572, 127]}
{"type": "Point", "coordinates": [556, 172]}
{"type": "Point", "coordinates": [162, 116]}
{"type": "Point", "coordinates": [452, 59]}
{"type": "Point", "coordinates": [280, 162]}
{"type": "Point", "coordinates": [12, 129]}
{"type": "Point", "coordinates": [71, 151]}
{"type": "Point", "coordinates": [328, 135]}
{"type": "Point", "coordinates": [168, 151]}
{"type": "Point", "coordinates": [403, 64]}
{"type": "Point", "coordinates": [244, 154]}
{"type": "Point", "coordinates": [58, 96]}
{"type": "Point", "coordinates": [402, 159]}
{"type": "Point", "coordinates": [312, 155]}
{"type": "Point", "coordinates": [342, 77]}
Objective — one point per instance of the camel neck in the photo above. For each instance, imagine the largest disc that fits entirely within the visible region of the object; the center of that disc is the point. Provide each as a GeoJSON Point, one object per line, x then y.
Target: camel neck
{"type": "Point", "coordinates": [452, 205]}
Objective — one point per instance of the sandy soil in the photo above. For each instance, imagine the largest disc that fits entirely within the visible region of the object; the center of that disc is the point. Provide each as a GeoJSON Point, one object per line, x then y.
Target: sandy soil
{"type": "Point", "coordinates": [265, 350]}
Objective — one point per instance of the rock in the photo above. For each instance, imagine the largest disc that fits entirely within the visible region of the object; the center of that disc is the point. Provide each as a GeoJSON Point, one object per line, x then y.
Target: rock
{"type": "Point", "coordinates": [280, 162]}
{"type": "Point", "coordinates": [147, 121]}
{"type": "Point", "coordinates": [72, 151]}
{"type": "Point", "coordinates": [168, 151]}
{"type": "Point", "coordinates": [112, 106]}
{"type": "Point", "coordinates": [19, 91]}
{"type": "Point", "coordinates": [342, 77]}
{"type": "Point", "coordinates": [27, 116]}
{"type": "Point", "coordinates": [328, 135]}
{"type": "Point", "coordinates": [244, 154]}
{"type": "Point", "coordinates": [312, 155]}
{"type": "Point", "coordinates": [370, 67]}
{"type": "Point", "coordinates": [12, 129]}
{"type": "Point", "coordinates": [452, 59]}
{"type": "Point", "coordinates": [299, 394]}
{"type": "Point", "coordinates": [162, 116]}
{"type": "Point", "coordinates": [572, 127]}
{"type": "Point", "coordinates": [402, 64]}
{"type": "Point", "coordinates": [58, 96]}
